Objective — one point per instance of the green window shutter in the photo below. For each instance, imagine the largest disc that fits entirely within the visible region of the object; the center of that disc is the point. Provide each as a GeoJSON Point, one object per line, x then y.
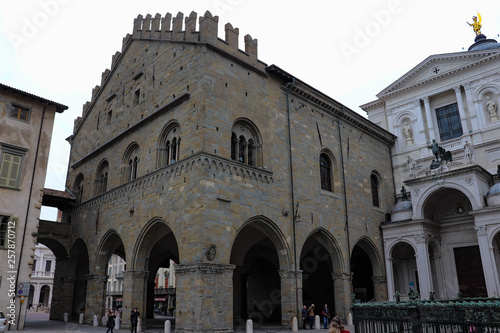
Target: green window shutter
{"type": "Point", "coordinates": [9, 172]}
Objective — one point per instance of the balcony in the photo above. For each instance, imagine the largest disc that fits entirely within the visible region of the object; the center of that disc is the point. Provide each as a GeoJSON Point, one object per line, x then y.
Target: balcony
{"type": "Point", "coordinates": [164, 291]}
{"type": "Point", "coordinates": [42, 274]}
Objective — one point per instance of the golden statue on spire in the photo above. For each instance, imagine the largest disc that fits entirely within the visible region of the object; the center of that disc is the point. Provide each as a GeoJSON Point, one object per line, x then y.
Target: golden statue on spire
{"type": "Point", "coordinates": [476, 25]}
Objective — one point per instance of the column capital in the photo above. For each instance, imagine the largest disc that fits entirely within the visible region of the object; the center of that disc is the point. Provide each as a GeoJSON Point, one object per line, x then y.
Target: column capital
{"type": "Point", "coordinates": [379, 279]}
{"type": "Point", "coordinates": [422, 238]}
{"type": "Point", "coordinates": [457, 89]}
{"type": "Point", "coordinates": [134, 275]}
{"type": "Point", "coordinates": [426, 99]}
{"type": "Point", "coordinates": [467, 85]}
{"type": "Point", "coordinates": [203, 268]}
{"type": "Point", "coordinates": [289, 274]}
{"type": "Point", "coordinates": [342, 276]}
{"type": "Point", "coordinates": [97, 277]}
{"type": "Point", "coordinates": [480, 230]}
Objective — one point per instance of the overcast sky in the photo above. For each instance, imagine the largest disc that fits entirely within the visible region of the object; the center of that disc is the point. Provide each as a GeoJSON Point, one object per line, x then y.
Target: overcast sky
{"type": "Point", "coordinates": [349, 50]}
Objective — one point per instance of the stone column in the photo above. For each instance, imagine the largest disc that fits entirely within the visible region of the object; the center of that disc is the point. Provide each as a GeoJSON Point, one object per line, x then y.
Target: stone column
{"type": "Point", "coordinates": [178, 152]}
{"type": "Point", "coordinates": [134, 294]}
{"type": "Point", "coordinates": [342, 286]}
{"type": "Point", "coordinates": [419, 136]}
{"type": "Point", "coordinates": [36, 296]}
{"type": "Point", "coordinates": [423, 266]}
{"type": "Point", "coordinates": [470, 106]}
{"type": "Point", "coordinates": [428, 115]}
{"type": "Point", "coordinates": [204, 297]}
{"type": "Point", "coordinates": [289, 296]}
{"type": "Point", "coordinates": [96, 296]}
{"type": "Point", "coordinates": [62, 297]}
{"type": "Point", "coordinates": [461, 109]}
{"type": "Point", "coordinates": [390, 277]}
{"type": "Point", "coordinates": [245, 154]}
{"type": "Point", "coordinates": [488, 260]}
{"type": "Point", "coordinates": [380, 288]}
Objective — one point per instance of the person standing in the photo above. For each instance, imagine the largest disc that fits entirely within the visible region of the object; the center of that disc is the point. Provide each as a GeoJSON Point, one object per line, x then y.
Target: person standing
{"type": "Point", "coordinates": [337, 326]}
{"type": "Point", "coordinates": [326, 316]}
{"type": "Point", "coordinates": [310, 312]}
{"type": "Point", "coordinates": [111, 322]}
{"type": "Point", "coordinates": [304, 317]}
{"type": "Point", "coordinates": [134, 319]}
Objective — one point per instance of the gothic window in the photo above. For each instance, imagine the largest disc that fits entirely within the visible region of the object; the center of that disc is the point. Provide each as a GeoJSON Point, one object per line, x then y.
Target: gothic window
{"type": "Point", "coordinates": [101, 179]}
{"type": "Point", "coordinates": [375, 184]}
{"type": "Point", "coordinates": [78, 188]}
{"type": "Point", "coordinates": [326, 172]}
{"type": "Point", "coordinates": [246, 143]}
{"type": "Point", "coordinates": [449, 123]}
{"type": "Point", "coordinates": [168, 150]}
{"type": "Point", "coordinates": [130, 165]}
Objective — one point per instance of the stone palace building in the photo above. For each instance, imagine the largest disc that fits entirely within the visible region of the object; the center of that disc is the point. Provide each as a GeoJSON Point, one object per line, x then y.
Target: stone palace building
{"type": "Point", "coordinates": [266, 193]}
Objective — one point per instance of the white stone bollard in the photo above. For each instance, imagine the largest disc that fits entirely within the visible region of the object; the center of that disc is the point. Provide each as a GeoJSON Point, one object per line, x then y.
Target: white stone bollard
{"type": "Point", "coordinates": [317, 323]}
{"type": "Point", "coordinates": [168, 326]}
{"type": "Point", "coordinates": [80, 320]}
{"type": "Point", "coordinates": [96, 320]}
{"type": "Point", "coordinates": [249, 326]}
{"type": "Point", "coordinates": [349, 319]}
{"type": "Point", "coordinates": [66, 317]}
{"type": "Point", "coordinates": [139, 325]}
{"type": "Point", "coordinates": [295, 325]}
{"type": "Point", "coordinates": [117, 322]}
{"type": "Point", "coordinates": [104, 321]}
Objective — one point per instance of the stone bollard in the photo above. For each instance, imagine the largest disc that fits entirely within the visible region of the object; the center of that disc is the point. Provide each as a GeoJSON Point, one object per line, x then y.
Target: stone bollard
{"type": "Point", "coordinates": [139, 325]}
{"type": "Point", "coordinates": [117, 322]}
{"type": "Point", "coordinates": [168, 326]}
{"type": "Point", "coordinates": [104, 321]}
{"type": "Point", "coordinates": [80, 320]}
{"type": "Point", "coordinates": [349, 319]}
{"type": "Point", "coordinates": [96, 320]}
{"type": "Point", "coordinates": [317, 323]}
{"type": "Point", "coordinates": [295, 325]}
{"type": "Point", "coordinates": [66, 317]}
{"type": "Point", "coordinates": [249, 326]}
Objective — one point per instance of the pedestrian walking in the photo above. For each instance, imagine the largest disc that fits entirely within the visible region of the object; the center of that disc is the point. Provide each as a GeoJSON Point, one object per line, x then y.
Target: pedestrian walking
{"type": "Point", "coordinates": [326, 315]}
{"type": "Point", "coordinates": [111, 322]}
{"type": "Point", "coordinates": [310, 312]}
{"type": "Point", "coordinates": [305, 316]}
{"type": "Point", "coordinates": [134, 319]}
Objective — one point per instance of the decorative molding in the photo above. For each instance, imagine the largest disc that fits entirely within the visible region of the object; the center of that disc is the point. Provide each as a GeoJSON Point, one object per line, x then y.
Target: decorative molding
{"type": "Point", "coordinates": [97, 277]}
{"type": "Point", "coordinates": [203, 268]}
{"type": "Point", "coordinates": [211, 252]}
{"type": "Point", "coordinates": [481, 230]}
{"type": "Point", "coordinates": [135, 275]}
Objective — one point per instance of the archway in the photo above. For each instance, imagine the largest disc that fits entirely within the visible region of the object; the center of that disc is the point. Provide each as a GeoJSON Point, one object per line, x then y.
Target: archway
{"type": "Point", "coordinates": [79, 260]}
{"type": "Point", "coordinates": [320, 261]}
{"type": "Point", "coordinates": [256, 279]}
{"type": "Point", "coordinates": [404, 268]}
{"type": "Point", "coordinates": [44, 299]}
{"type": "Point", "coordinates": [362, 275]}
{"type": "Point", "coordinates": [156, 248]}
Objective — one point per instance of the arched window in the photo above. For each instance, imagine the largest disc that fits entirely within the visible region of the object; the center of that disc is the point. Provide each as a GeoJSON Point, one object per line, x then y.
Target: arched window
{"type": "Point", "coordinates": [130, 165]}
{"type": "Point", "coordinates": [78, 188]}
{"type": "Point", "coordinates": [246, 143]}
{"type": "Point", "coordinates": [326, 172]}
{"type": "Point", "coordinates": [169, 145]}
{"type": "Point", "coordinates": [375, 184]}
{"type": "Point", "coordinates": [101, 178]}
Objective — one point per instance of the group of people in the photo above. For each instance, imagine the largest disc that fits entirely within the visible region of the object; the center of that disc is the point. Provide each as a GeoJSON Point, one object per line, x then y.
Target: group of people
{"type": "Point", "coordinates": [134, 319]}
{"type": "Point", "coordinates": [308, 316]}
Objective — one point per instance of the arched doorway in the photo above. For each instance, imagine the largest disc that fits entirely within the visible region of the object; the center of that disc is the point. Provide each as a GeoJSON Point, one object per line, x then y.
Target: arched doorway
{"type": "Point", "coordinates": [404, 267]}
{"type": "Point", "coordinates": [79, 260]}
{"type": "Point", "coordinates": [256, 279]}
{"type": "Point", "coordinates": [319, 262]}
{"type": "Point", "coordinates": [362, 275]}
{"type": "Point", "coordinates": [157, 248]}
{"type": "Point", "coordinates": [44, 299]}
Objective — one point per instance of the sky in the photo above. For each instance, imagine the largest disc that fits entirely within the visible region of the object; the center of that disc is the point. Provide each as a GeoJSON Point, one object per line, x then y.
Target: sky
{"type": "Point", "coordinates": [349, 50]}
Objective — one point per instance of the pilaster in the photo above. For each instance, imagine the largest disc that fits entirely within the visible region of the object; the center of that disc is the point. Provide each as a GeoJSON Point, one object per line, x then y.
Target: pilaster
{"type": "Point", "coordinates": [96, 296]}
{"type": "Point", "coordinates": [342, 286]}
{"type": "Point", "coordinates": [289, 296]}
{"type": "Point", "coordinates": [461, 109]}
{"type": "Point", "coordinates": [423, 265]}
{"type": "Point", "coordinates": [488, 260]}
{"type": "Point", "coordinates": [134, 293]}
{"type": "Point", "coordinates": [428, 115]}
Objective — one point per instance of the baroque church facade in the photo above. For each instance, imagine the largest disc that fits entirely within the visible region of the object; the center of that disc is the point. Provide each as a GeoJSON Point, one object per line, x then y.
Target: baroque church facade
{"type": "Point", "coordinates": [444, 234]}
{"type": "Point", "coordinates": [265, 193]}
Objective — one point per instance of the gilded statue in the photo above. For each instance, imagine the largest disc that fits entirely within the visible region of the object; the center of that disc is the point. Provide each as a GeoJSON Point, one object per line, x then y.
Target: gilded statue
{"type": "Point", "coordinates": [476, 25]}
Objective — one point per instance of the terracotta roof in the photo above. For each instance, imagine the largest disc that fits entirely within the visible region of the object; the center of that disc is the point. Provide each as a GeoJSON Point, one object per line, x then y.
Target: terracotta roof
{"type": "Point", "coordinates": [59, 107]}
{"type": "Point", "coordinates": [58, 194]}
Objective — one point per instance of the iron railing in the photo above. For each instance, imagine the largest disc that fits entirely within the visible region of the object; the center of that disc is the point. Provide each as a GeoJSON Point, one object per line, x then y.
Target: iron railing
{"type": "Point", "coordinates": [464, 315]}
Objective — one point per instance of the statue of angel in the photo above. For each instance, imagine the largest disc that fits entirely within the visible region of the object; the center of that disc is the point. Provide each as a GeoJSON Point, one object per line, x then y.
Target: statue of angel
{"type": "Point", "coordinates": [476, 25]}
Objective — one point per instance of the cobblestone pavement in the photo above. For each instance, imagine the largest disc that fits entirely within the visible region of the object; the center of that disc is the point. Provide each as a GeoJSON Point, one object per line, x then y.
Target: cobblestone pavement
{"type": "Point", "coordinates": [39, 322]}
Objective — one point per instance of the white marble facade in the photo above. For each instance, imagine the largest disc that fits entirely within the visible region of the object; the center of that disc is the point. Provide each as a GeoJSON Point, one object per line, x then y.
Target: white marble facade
{"type": "Point", "coordinates": [450, 224]}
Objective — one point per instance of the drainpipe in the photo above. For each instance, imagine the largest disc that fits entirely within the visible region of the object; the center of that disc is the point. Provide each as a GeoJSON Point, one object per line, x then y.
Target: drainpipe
{"type": "Point", "coordinates": [294, 217]}
{"type": "Point", "coordinates": [346, 214]}
{"type": "Point", "coordinates": [28, 205]}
